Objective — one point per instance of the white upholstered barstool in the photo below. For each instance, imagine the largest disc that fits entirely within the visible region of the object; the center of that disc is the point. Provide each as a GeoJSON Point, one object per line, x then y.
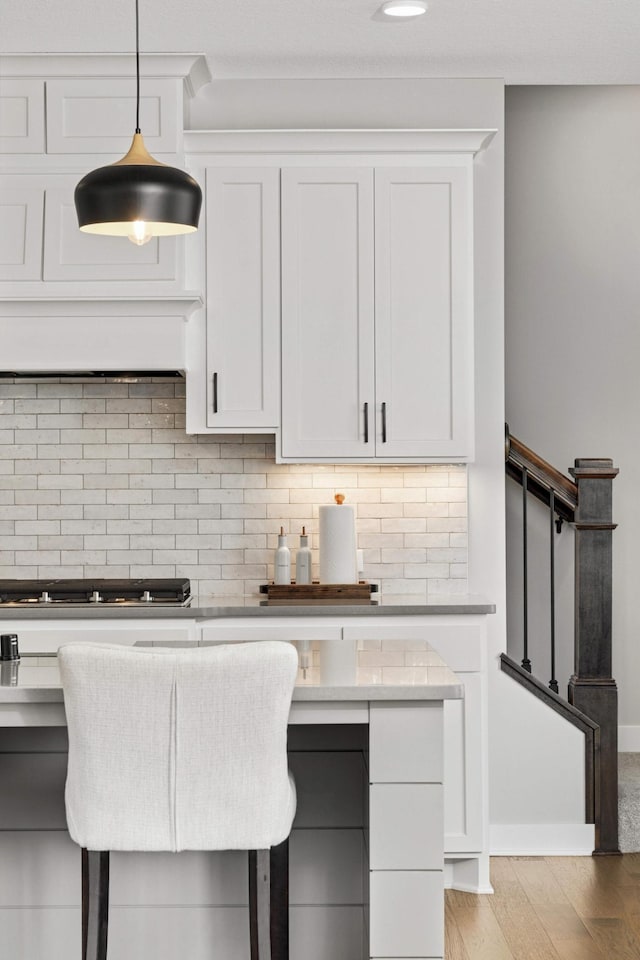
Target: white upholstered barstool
{"type": "Point", "coordinates": [174, 749]}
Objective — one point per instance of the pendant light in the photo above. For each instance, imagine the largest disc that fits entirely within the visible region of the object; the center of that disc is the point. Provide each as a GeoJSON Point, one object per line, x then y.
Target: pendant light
{"type": "Point", "coordinates": [138, 197]}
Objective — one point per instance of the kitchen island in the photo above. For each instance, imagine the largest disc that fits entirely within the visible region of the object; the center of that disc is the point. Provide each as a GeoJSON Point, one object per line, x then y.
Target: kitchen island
{"type": "Point", "coordinates": [388, 639]}
{"type": "Point", "coordinates": [395, 732]}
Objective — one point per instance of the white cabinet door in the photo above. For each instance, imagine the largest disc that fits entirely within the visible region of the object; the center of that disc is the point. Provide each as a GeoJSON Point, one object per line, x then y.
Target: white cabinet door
{"type": "Point", "coordinates": [424, 329]}
{"type": "Point", "coordinates": [70, 254]}
{"type": "Point", "coordinates": [21, 215]}
{"type": "Point", "coordinates": [21, 115]}
{"type": "Point", "coordinates": [243, 297]}
{"type": "Point", "coordinates": [327, 313]}
{"type": "Point", "coordinates": [400, 319]}
{"type": "Point", "coordinates": [51, 249]}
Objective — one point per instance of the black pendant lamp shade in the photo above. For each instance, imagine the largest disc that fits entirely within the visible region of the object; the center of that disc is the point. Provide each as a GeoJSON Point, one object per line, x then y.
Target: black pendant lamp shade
{"type": "Point", "coordinates": [138, 197]}
{"type": "Point", "coordinates": [138, 190]}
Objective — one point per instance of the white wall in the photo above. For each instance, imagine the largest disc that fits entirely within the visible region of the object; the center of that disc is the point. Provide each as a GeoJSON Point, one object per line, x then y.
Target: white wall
{"type": "Point", "coordinates": [572, 302]}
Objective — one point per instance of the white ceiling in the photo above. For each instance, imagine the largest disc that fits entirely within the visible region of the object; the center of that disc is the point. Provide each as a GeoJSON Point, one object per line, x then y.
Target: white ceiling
{"type": "Point", "coordinates": [524, 41]}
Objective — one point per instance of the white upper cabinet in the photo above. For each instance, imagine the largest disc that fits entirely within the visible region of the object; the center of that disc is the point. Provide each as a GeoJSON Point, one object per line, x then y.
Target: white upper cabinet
{"type": "Point", "coordinates": [377, 321]}
{"type": "Point", "coordinates": [243, 298]}
{"type": "Point", "coordinates": [327, 312]}
{"type": "Point", "coordinates": [423, 312]}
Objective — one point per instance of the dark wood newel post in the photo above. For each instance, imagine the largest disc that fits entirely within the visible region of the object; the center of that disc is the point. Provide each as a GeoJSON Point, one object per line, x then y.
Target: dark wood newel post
{"type": "Point", "coordinates": [592, 689]}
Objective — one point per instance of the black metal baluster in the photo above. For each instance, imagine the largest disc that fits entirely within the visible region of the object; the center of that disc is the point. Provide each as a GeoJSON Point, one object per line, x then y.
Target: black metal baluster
{"type": "Point", "coordinates": [553, 683]}
{"type": "Point", "coordinates": [526, 663]}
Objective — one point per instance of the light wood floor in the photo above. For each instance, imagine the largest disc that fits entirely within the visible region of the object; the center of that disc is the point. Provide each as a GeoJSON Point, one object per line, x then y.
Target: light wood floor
{"type": "Point", "coordinates": [549, 908]}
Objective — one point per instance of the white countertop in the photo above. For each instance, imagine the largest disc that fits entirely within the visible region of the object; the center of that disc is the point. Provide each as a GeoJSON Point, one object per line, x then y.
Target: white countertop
{"type": "Point", "coordinates": [211, 608]}
{"type": "Point", "coordinates": [337, 671]}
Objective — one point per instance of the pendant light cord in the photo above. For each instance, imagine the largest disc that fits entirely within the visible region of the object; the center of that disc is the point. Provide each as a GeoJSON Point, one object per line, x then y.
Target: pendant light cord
{"type": "Point", "coordinates": [137, 70]}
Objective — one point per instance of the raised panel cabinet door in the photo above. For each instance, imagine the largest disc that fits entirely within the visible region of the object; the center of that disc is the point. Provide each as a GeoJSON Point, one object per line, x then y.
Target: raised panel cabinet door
{"type": "Point", "coordinates": [70, 254]}
{"type": "Point", "coordinates": [327, 313]}
{"type": "Point", "coordinates": [424, 313]}
{"type": "Point", "coordinates": [21, 115]}
{"type": "Point", "coordinates": [21, 216]}
{"type": "Point", "coordinates": [97, 115]}
{"type": "Point", "coordinates": [243, 297]}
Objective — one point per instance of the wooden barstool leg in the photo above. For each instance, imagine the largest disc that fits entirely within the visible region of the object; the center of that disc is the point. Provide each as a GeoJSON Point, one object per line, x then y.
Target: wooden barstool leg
{"type": "Point", "coordinates": [95, 904]}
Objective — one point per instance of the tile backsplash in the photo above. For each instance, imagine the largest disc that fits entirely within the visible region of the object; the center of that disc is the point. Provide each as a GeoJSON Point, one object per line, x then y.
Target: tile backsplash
{"type": "Point", "coordinates": [98, 478]}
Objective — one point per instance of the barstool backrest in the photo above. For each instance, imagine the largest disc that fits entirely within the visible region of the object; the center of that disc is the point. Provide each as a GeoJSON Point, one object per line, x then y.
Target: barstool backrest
{"type": "Point", "coordinates": [178, 749]}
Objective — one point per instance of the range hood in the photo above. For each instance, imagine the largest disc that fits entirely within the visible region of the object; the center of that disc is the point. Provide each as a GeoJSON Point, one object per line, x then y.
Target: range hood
{"type": "Point", "coordinates": [114, 337]}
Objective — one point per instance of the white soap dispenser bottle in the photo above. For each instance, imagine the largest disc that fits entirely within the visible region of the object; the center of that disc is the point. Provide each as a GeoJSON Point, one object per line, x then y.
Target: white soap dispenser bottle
{"type": "Point", "coordinates": [303, 559]}
{"type": "Point", "coordinates": [282, 561]}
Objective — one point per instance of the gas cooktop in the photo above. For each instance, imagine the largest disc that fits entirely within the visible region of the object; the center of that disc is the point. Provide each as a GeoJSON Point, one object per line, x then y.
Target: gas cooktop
{"type": "Point", "coordinates": [161, 592]}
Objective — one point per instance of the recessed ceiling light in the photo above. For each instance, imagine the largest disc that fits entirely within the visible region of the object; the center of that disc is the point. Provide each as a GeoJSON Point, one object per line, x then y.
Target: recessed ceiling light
{"type": "Point", "coordinates": [404, 8]}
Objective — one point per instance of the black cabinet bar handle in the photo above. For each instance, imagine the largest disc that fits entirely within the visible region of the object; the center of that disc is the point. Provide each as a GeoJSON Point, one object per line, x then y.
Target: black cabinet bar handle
{"type": "Point", "coordinates": [366, 423]}
{"type": "Point", "coordinates": [384, 423]}
{"type": "Point", "coordinates": [215, 392]}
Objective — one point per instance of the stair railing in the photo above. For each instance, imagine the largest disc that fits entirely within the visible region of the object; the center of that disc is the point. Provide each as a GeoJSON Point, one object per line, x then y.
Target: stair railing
{"type": "Point", "coordinates": [586, 503]}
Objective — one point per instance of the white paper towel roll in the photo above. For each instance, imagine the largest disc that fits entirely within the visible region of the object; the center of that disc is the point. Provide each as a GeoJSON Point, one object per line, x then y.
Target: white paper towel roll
{"type": "Point", "coordinates": [338, 544]}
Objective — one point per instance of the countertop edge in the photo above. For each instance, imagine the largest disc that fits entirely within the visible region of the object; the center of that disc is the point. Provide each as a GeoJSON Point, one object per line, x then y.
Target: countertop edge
{"type": "Point", "coordinates": [200, 613]}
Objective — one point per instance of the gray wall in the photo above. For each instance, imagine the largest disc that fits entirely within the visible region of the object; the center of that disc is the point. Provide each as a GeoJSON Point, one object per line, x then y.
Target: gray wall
{"type": "Point", "coordinates": [573, 317]}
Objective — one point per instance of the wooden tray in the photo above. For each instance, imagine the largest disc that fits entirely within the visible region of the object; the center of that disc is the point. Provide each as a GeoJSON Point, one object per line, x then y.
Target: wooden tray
{"type": "Point", "coordinates": [319, 592]}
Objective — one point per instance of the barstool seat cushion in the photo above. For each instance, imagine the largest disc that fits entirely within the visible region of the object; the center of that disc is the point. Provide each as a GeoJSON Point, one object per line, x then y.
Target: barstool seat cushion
{"type": "Point", "coordinates": [178, 749]}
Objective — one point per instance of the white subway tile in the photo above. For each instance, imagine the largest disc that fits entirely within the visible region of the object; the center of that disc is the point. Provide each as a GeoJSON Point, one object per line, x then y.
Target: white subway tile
{"type": "Point", "coordinates": [404, 525]}
{"type": "Point", "coordinates": [220, 465]}
{"type": "Point", "coordinates": [39, 527]}
{"type": "Point", "coordinates": [426, 540]}
{"type": "Point", "coordinates": [82, 496]}
{"type": "Point", "coordinates": [59, 421]}
{"type": "Point", "coordinates": [380, 510]}
{"type": "Point", "coordinates": [128, 405]}
{"type": "Point", "coordinates": [19, 483]}
{"type": "Point", "coordinates": [10, 542]}
{"type": "Point", "coordinates": [198, 481]}
{"type": "Point", "coordinates": [82, 436]}
{"type": "Point", "coordinates": [143, 481]}
{"type": "Point", "coordinates": [128, 526]}
{"type": "Point", "coordinates": [175, 526]}
{"type": "Point", "coordinates": [175, 556]}
{"type": "Point", "coordinates": [175, 496]}
{"type": "Point", "coordinates": [13, 511]}
{"type": "Point", "coordinates": [105, 420]}
{"type": "Point", "coordinates": [128, 435]}
{"type": "Point", "coordinates": [249, 511]}
{"type": "Point", "coordinates": [131, 557]}
{"type": "Point", "coordinates": [197, 511]}
{"type": "Point", "coordinates": [128, 466]}
{"type": "Point", "coordinates": [404, 495]}
{"type": "Point", "coordinates": [152, 541]}
{"type": "Point", "coordinates": [159, 420]}
{"type": "Point", "coordinates": [59, 451]}
{"type": "Point", "coordinates": [426, 571]}
{"type": "Point", "coordinates": [82, 405]}
{"type": "Point", "coordinates": [105, 451]}
{"type": "Point", "coordinates": [65, 511]}
{"type": "Point", "coordinates": [115, 481]}
{"type": "Point", "coordinates": [27, 557]}
{"type": "Point", "coordinates": [127, 496]}
{"type": "Point", "coordinates": [223, 557]}
{"type": "Point", "coordinates": [84, 527]}
{"type": "Point", "coordinates": [106, 511]}
{"type": "Point", "coordinates": [404, 556]}
{"type": "Point", "coordinates": [31, 405]}
{"type": "Point", "coordinates": [81, 466]}
{"type": "Point", "coordinates": [220, 496]}
{"type": "Point", "coordinates": [213, 525]}
{"type": "Point", "coordinates": [151, 511]}
{"type": "Point", "coordinates": [255, 481]}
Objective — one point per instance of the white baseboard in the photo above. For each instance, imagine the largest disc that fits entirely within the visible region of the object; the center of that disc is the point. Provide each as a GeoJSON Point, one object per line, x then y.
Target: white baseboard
{"type": "Point", "coordinates": [541, 839]}
{"type": "Point", "coordinates": [629, 739]}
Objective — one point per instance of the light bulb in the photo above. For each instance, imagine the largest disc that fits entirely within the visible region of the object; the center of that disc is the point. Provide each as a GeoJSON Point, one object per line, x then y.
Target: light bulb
{"type": "Point", "coordinates": [139, 233]}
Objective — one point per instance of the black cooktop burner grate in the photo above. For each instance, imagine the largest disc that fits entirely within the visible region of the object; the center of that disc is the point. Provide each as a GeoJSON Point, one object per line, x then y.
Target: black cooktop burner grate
{"type": "Point", "coordinates": [168, 591]}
